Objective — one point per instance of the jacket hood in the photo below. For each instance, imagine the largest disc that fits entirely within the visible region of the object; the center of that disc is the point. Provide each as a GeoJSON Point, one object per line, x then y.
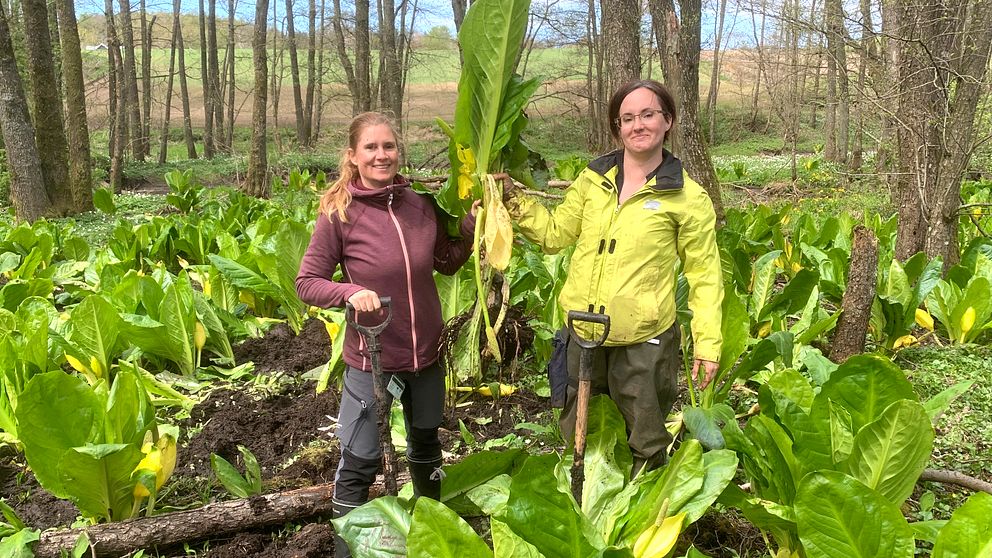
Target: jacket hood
{"type": "Point", "coordinates": [668, 176]}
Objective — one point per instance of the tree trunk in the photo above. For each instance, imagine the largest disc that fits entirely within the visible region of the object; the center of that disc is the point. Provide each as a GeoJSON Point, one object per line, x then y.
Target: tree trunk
{"type": "Point", "coordinates": [146, 78]}
{"type": "Point", "coordinates": [48, 125]}
{"type": "Point", "coordinates": [231, 85]}
{"type": "Point", "coordinates": [363, 56]}
{"type": "Point", "coordinates": [258, 182]}
{"type": "Point", "coordinates": [56, 41]}
{"type": "Point", "coordinates": [80, 162]}
{"type": "Point", "coordinates": [167, 113]}
{"type": "Point", "coordinates": [598, 138]}
{"type": "Point", "coordinates": [130, 71]}
{"type": "Point", "coordinates": [275, 83]}
{"type": "Point", "coordinates": [208, 107]}
{"type": "Point", "coordinates": [349, 71]}
{"type": "Point", "coordinates": [115, 88]}
{"type": "Point", "coordinates": [212, 520]}
{"type": "Point", "coordinates": [391, 78]}
{"type": "Point", "coordinates": [294, 73]}
{"type": "Point", "coordinates": [919, 101]}
{"type": "Point", "coordinates": [183, 85]}
{"type": "Point", "coordinates": [319, 102]}
{"type": "Point", "coordinates": [830, 151]}
{"type": "Point", "coordinates": [682, 72]}
{"type": "Point", "coordinates": [852, 329]}
{"type": "Point", "coordinates": [715, 74]}
{"type": "Point", "coordinates": [216, 101]}
{"type": "Point", "coordinates": [27, 189]}
{"type": "Point", "coordinates": [621, 43]}
{"type": "Point", "coordinates": [311, 72]}
{"type": "Point", "coordinates": [459, 8]}
{"type": "Point", "coordinates": [836, 39]}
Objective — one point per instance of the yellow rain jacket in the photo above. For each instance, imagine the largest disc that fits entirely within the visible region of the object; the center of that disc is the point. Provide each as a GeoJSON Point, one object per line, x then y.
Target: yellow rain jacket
{"type": "Point", "coordinates": [624, 264]}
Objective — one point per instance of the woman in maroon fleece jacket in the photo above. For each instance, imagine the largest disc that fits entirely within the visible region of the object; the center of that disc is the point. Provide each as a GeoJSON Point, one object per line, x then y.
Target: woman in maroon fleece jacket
{"type": "Point", "coordinates": [388, 241]}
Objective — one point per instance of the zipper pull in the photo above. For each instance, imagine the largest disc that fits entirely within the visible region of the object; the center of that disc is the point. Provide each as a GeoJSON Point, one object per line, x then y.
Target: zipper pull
{"type": "Point", "coordinates": [390, 200]}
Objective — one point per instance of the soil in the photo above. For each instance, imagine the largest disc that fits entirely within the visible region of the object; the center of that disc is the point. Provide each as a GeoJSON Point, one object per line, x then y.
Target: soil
{"type": "Point", "coordinates": [283, 422]}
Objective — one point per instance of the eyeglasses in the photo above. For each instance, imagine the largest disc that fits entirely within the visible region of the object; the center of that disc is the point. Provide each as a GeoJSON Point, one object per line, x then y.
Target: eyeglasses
{"type": "Point", "coordinates": [647, 117]}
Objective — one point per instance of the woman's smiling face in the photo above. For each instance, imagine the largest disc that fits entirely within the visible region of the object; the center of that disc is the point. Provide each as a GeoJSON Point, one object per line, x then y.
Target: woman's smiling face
{"type": "Point", "coordinates": [643, 122]}
{"type": "Point", "coordinates": [376, 155]}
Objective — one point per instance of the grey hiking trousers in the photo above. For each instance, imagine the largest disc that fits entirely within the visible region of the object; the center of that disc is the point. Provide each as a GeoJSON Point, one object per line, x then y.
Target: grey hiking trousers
{"type": "Point", "coordinates": [642, 380]}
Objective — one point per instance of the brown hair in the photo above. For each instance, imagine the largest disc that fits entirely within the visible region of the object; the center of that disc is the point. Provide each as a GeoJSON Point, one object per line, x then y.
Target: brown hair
{"type": "Point", "coordinates": [337, 197]}
{"type": "Point", "coordinates": [664, 98]}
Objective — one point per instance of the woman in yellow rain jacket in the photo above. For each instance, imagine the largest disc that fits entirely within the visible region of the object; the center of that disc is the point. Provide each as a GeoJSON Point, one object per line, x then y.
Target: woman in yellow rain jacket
{"type": "Point", "coordinates": [632, 214]}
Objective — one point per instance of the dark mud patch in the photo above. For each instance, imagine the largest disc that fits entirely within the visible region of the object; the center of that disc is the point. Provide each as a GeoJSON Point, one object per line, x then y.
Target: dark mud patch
{"type": "Point", "coordinates": [33, 505]}
{"type": "Point", "coordinates": [315, 540]}
{"type": "Point", "coordinates": [723, 535]}
{"type": "Point", "coordinates": [277, 429]}
{"type": "Point", "coordinates": [279, 350]}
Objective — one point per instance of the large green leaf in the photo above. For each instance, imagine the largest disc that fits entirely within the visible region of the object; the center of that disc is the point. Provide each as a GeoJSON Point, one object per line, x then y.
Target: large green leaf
{"type": "Point", "coordinates": [735, 328]}
{"type": "Point", "coordinates": [838, 517]}
{"type": "Point", "coordinates": [491, 496]}
{"type": "Point", "coordinates": [720, 466]}
{"type": "Point", "coordinates": [507, 544]}
{"type": "Point", "coordinates": [705, 423]}
{"type": "Point", "coordinates": [243, 277]}
{"type": "Point", "coordinates": [969, 532]}
{"type": "Point", "coordinates": [177, 313]}
{"type": "Point", "coordinates": [475, 470]}
{"type": "Point", "coordinates": [376, 530]}
{"type": "Point", "coordinates": [794, 296]}
{"type": "Point", "coordinates": [438, 532]}
{"type": "Point", "coordinates": [607, 459]}
{"type": "Point", "coordinates": [678, 482]}
{"type": "Point", "coordinates": [98, 479]}
{"type": "Point", "coordinates": [889, 454]}
{"type": "Point", "coordinates": [129, 412]}
{"type": "Point", "coordinates": [763, 282]}
{"type": "Point", "coordinates": [938, 404]}
{"type": "Point", "coordinates": [64, 413]}
{"type": "Point", "coordinates": [491, 36]}
{"type": "Point", "coordinates": [865, 385]}
{"type": "Point", "coordinates": [95, 330]}
{"type": "Point", "coordinates": [543, 515]}
{"type": "Point", "coordinates": [18, 545]}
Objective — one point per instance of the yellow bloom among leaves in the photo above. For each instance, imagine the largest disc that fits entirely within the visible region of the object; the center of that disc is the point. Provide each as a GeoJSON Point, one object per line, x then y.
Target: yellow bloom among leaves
{"type": "Point", "coordinates": [160, 459]}
{"type": "Point", "coordinates": [904, 341]}
{"type": "Point", "coordinates": [924, 319]}
{"type": "Point", "coordinates": [498, 227]}
{"type": "Point", "coordinates": [465, 171]}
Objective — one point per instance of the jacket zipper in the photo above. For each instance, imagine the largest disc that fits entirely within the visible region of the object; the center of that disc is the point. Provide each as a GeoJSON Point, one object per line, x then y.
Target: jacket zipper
{"type": "Point", "coordinates": [409, 280]}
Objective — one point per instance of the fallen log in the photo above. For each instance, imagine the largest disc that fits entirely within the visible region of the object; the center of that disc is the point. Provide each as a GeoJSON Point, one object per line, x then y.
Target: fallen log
{"type": "Point", "coordinates": [213, 520]}
{"type": "Point", "coordinates": [954, 477]}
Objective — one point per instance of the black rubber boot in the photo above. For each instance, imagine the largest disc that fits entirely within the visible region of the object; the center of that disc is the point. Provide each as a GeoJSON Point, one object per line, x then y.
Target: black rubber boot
{"type": "Point", "coordinates": [338, 510]}
{"type": "Point", "coordinates": [427, 478]}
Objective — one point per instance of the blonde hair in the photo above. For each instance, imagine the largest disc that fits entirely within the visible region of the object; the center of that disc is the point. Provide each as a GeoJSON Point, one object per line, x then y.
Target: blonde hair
{"type": "Point", "coordinates": [337, 197]}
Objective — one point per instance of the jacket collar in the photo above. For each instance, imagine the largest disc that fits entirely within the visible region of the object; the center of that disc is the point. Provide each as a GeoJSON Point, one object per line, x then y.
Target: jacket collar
{"type": "Point", "coordinates": [358, 191]}
{"type": "Point", "coordinates": [668, 176]}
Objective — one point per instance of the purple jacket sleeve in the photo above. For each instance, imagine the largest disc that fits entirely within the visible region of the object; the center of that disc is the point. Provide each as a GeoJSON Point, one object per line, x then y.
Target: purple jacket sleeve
{"type": "Point", "coordinates": [313, 282]}
{"type": "Point", "coordinates": [451, 253]}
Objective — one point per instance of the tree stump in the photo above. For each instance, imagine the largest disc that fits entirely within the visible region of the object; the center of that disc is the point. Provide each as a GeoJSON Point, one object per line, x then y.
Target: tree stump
{"type": "Point", "coordinates": [852, 329]}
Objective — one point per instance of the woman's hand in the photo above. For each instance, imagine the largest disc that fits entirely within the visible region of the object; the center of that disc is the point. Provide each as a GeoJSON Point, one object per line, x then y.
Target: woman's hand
{"type": "Point", "coordinates": [475, 207]}
{"type": "Point", "coordinates": [710, 369]}
{"type": "Point", "coordinates": [365, 301]}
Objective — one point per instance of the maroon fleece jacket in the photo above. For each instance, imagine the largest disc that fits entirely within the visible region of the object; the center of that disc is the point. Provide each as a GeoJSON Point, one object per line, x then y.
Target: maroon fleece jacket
{"type": "Point", "coordinates": [391, 244]}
